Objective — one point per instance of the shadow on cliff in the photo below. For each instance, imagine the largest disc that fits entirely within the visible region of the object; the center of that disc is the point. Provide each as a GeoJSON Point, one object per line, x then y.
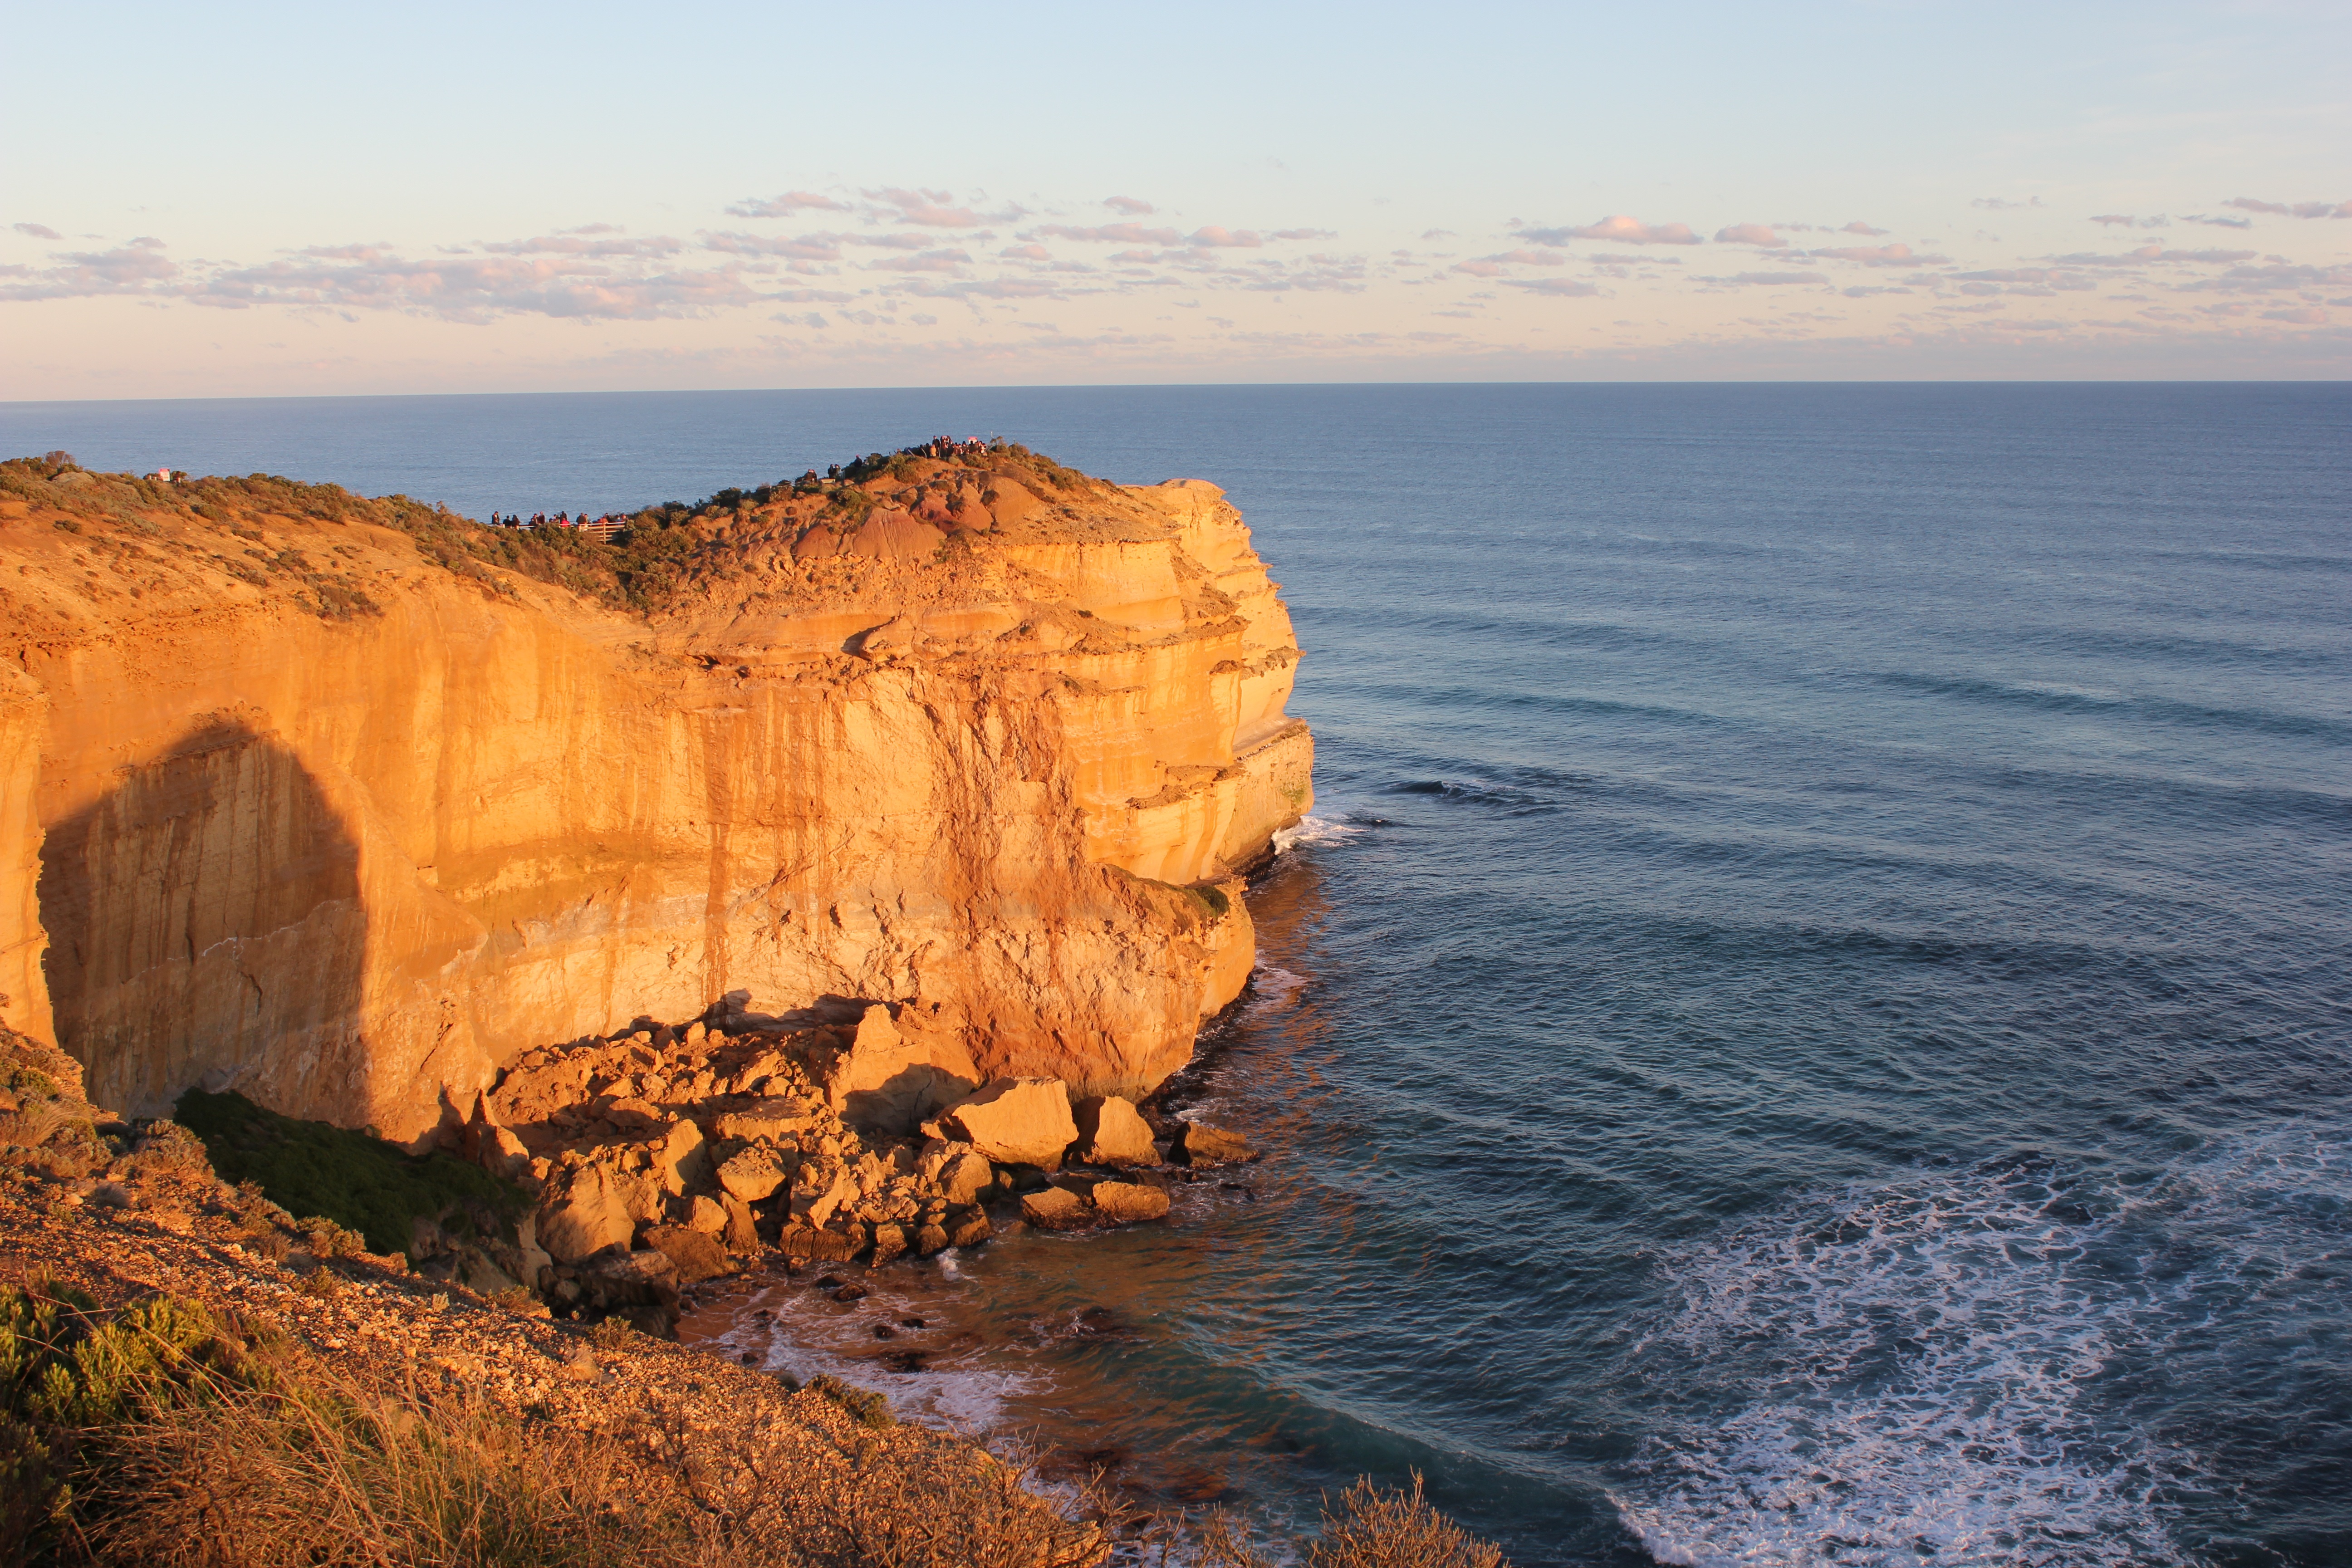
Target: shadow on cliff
{"type": "Point", "coordinates": [206, 925]}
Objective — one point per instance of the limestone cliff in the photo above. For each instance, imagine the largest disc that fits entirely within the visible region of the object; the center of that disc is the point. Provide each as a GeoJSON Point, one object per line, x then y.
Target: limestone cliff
{"type": "Point", "coordinates": [340, 802]}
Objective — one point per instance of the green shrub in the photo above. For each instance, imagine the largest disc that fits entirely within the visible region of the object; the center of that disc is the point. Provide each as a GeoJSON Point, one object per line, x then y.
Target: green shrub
{"type": "Point", "coordinates": [361, 1183]}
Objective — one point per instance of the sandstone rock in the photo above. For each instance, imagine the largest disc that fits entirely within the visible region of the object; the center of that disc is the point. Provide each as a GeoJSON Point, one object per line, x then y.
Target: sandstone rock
{"type": "Point", "coordinates": [1055, 1208]}
{"type": "Point", "coordinates": [889, 1080]}
{"type": "Point", "coordinates": [707, 1216]}
{"type": "Point", "coordinates": [741, 1235]}
{"type": "Point", "coordinates": [1016, 1120]}
{"type": "Point", "coordinates": [889, 1241]}
{"type": "Point", "coordinates": [694, 1256]}
{"type": "Point", "coordinates": [962, 1179]}
{"type": "Point", "coordinates": [930, 1238]}
{"type": "Point", "coordinates": [1111, 1131]}
{"type": "Point", "coordinates": [593, 1215]}
{"type": "Point", "coordinates": [805, 1241]}
{"type": "Point", "coordinates": [1197, 1143]}
{"type": "Point", "coordinates": [630, 1279]}
{"type": "Point", "coordinates": [752, 1175]}
{"type": "Point", "coordinates": [683, 1161]}
{"type": "Point", "coordinates": [477, 1273]}
{"type": "Point", "coordinates": [775, 1117]}
{"type": "Point", "coordinates": [969, 1228]}
{"type": "Point", "coordinates": [1126, 1203]}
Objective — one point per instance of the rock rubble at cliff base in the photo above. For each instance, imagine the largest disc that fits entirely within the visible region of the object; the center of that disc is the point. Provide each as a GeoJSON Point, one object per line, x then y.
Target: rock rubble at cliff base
{"type": "Point", "coordinates": [673, 1155]}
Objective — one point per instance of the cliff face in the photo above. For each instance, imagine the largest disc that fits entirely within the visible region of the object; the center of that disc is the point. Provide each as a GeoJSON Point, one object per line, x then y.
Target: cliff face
{"type": "Point", "coordinates": [311, 796]}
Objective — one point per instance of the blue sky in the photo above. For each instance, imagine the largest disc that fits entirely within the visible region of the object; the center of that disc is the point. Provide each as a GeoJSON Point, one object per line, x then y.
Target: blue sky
{"type": "Point", "coordinates": [279, 199]}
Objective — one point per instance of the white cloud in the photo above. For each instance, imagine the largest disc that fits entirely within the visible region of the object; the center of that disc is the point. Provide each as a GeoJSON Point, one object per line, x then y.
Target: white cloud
{"type": "Point", "coordinates": [1567, 287]}
{"type": "Point", "coordinates": [38, 230]}
{"type": "Point", "coordinates": [1896, 255]}
{"type": "Point", "coordinates": [1755, 234]}
{"type": "Point", "coordinates": [1618, 227]}
{"type": "Point", "coordinates": [784, 205]}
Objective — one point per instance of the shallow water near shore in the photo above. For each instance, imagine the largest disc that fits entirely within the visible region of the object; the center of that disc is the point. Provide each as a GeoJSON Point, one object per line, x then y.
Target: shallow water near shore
{"type": "Point", "coordinates": [1811, 1022]}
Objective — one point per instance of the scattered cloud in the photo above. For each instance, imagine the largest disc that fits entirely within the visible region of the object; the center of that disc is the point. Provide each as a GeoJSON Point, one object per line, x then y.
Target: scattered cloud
{"type": "Point", "coordinates": [791, 202]}
{"type": "Point", "coordinates": [1999, 204]}
{"type": "Point", "coordinates": [2301, 315]}
{"type": "Point", "coordinates": [1219, 238]}
{"type": "Point", "coordinates": [38, 230]}
{"type": "Point", "coordinates": [1570, 288]}
{"type": "Point", "coordinates": [1026, 253]}
{"type": "Point", "coordinates": [929, 209]}
{"type": "Point", "coordinates": [1130, 205]}
{"type": "Point", "coordinates": [2218, 221]}
{"type": "Point", "coordinates": [1896, 255]}
{"type": "Point", "coordinates": [1302, 234]}
{"type": "Point", "coordinates": [1750, 234]}
{"type": "Point", "coordinates": [132, 268]}
{"type": "Point", "coordinates": [2299, 209]}
{"type": "Point", "coordinates": [1618, 227]}
{"type": "Point", "coordinates": [1762, 279]}
{"type": "Point", "coordinates": [567, 245]}
{"type": "Point", "coordinates": [1860, 227]}
{"type": "Point", "coordinates": [1107, 233]}
{"type": "Point", "coordinates": [477, 289]}
{"type": "Point", "coordinates": [2124, 220]}
{"type": "Point", "coordinates": [805, 247]}
{"type": "Point", "coordinates": [1425, 234]}
{"type": "Point", "coordinates": [928, 262]}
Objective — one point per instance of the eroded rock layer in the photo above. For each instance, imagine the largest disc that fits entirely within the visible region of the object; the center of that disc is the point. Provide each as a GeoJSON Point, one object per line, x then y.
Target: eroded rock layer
{"type": "Point", "coordinates": [334, 802]}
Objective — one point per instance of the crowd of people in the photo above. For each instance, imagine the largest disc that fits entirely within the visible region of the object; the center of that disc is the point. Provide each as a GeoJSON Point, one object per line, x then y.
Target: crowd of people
{"type": "Point", "coordinates": [942, 447]}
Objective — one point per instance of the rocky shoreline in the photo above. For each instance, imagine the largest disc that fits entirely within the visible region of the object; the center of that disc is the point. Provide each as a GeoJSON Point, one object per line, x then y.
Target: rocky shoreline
{"type": "Point", "coordinates": [675, 1154]}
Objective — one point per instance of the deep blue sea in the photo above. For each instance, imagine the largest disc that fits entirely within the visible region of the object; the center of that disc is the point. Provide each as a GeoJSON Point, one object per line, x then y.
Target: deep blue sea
{"type": "Point", "coordinates": [1812, 1022]}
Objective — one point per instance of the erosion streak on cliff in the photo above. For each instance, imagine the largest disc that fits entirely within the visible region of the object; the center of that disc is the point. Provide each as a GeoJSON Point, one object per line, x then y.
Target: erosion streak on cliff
{"type": "Point", "coordinates": [322, 802]}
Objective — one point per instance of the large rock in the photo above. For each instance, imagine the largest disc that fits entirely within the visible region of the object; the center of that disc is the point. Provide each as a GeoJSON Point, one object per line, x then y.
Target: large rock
{"type": "Point", "coordinates": [1017, 1122]}
{"type": "Point", "coordinates": [597, 1211]}
{"type": "Point", "coordinates": [1126, 1203]}
{"type": "Point", "coordinates": [683, 1161]}
{"type": "Point", "coordinates": [1197, 1143]}
{"type": "Point", "coordinates": [1111, 1131]}
{"type": "Point", "coordinates": [819, 1194]}
{"type": "Point", "coordinates": [695, 1256]}
{"type": "Point", "coordinates": [890, 1080]}
{"type": "Point", "coordinates": [629, 1279]}
{"type": "Point", "coordinates": [773, 1118]}
{"type": "Point", "coordinates": [1055, 1209]}
{"type": "Point", "coordinates": [959, 1171]}
{"type": "Point", "coordinates": [753, 1175]}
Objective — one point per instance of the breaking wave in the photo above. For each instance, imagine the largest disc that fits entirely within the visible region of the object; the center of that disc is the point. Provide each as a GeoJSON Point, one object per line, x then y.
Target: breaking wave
{"type": "Point", "coordinates": [1315, 832]}
{"type": "Point", "coordinates": [2012, 1363]}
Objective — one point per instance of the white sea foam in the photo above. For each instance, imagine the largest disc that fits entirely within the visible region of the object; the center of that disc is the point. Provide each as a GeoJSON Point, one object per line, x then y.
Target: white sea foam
{"type": "Point", "coordinates": [1918, 1366]}
{"type": "Point", "coordinates": [1315, 832]}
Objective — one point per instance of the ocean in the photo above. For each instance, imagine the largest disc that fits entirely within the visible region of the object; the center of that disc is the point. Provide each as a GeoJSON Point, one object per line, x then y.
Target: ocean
{"type": "Point", "coordinates": [1811, 1021]}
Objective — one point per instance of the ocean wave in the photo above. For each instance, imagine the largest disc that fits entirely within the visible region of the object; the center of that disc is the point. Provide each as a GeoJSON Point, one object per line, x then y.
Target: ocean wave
{"type": "Point", "coordinates": [2060, 697]}
{"type": "Point", "coordinates": [1958, 1367]}
{"type": "Point", "coordinates": [1316, 833]}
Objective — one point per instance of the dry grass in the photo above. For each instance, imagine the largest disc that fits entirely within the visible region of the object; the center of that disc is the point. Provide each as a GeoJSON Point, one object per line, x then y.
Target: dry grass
{"type": "Point", "coordinates": [159, 1434]}
{"type": "Point", "coordinates": [320, 1469]}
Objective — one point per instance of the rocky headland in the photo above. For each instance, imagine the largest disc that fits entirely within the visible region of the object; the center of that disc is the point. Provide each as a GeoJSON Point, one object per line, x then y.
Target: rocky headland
{"type": "Point", "coordinates": [919, 799]}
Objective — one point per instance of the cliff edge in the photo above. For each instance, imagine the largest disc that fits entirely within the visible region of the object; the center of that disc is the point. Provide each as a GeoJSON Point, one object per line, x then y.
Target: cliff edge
{"type": "Point", "coordinates": [346, 803]}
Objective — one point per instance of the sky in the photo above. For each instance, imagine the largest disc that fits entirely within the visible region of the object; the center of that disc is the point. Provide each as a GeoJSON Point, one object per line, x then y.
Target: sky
{"type": "Point", "coordinates": [279, 199]}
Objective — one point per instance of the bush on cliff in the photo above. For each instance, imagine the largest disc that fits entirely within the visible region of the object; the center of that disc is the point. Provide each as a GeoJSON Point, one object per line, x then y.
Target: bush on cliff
{"type": "Point", "coordinates": [363, 1184]}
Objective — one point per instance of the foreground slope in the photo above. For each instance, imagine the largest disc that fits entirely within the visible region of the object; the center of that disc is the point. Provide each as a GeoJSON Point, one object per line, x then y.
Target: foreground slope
{"type": "Point", "coordinates": [345, 803]}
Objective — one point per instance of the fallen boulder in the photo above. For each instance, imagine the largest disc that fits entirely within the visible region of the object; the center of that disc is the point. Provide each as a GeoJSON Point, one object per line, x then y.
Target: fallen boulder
{"type": "Point", "coordinates": [1055, 1208]}
{"type": "Point", "coordinates": [753, 1175]}
{"type": "Point", "coordinates": [1197, 1143]}
{"type": "Point", "coordinates": [693, 1255]}
{"type": "Point", "coordinates": [773, 1117]}
{"type": "Point", "coordinates": [1127, 1202]}
{"type": "Point", "coordinates": [1111, 1131]}
{"type": "Point", "coordinates": [593, 1214]}
{"type": "Point", "coordinates": [683, 1160]}
{"type": "Point", "coordinates": [1017, 1122]}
